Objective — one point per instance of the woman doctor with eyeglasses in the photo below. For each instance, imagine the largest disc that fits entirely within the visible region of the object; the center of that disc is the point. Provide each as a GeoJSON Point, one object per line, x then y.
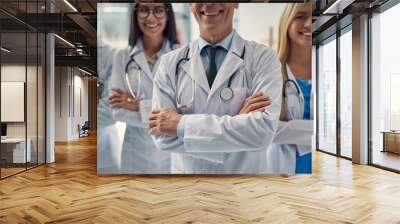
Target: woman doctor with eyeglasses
{"type": "Point", "coordinates": [153, 33]}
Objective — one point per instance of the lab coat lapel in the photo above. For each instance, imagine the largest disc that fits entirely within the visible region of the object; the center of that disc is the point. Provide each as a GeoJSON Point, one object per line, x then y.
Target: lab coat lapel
{"type": "Point", "coordinates": [301, 149]}
{"type": "Point", "coordinates": [140, 59]}
{"type": "Point", "coordinates": [195, 69]}
{"type": "Point", "coordinates": [301, 102]}
{"type": "Point", "coordinates": [167, 47]}
{"type": "Point", "coordinates": [232, 62]}
{"type": "Point", "coordinates": [312, 102]}
{"type": "Point", "coordinates": [142, 62]}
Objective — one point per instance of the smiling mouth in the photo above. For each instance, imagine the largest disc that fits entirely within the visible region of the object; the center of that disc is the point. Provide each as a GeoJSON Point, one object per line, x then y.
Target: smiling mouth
{"type": "Point", "coordinates": [215, 13]}
{"type": "Point", "coordinates": [307, 34]}
{"type": "Point", "coordinates": [152, 26]}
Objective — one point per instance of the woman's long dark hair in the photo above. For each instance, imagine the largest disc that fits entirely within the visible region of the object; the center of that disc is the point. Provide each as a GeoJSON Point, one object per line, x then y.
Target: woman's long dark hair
{"type": "Point", "coordinates": [169, 31]}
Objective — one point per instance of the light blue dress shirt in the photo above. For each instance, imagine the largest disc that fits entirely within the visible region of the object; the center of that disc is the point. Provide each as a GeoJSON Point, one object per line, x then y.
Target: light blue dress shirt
{"type": "Point", "coordinates": [220, 55]}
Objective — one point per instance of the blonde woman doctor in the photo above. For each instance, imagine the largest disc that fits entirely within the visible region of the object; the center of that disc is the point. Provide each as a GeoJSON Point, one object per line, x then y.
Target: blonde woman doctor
{"type": "Point", "coordinates": [153, 33]}
{"type": "Point", "coordinates": [294, 52]}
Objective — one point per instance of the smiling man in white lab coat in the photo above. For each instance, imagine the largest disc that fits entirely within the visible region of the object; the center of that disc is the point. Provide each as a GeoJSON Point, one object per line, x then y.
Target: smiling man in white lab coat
{"type": "Point", "coordinates": [199, 91]}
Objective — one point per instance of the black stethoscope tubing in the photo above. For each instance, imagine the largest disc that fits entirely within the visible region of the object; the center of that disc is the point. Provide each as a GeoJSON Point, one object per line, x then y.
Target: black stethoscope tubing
{"type": "Point", "coordinates": [285, 85]}
{"type": "Point", "coordinates": [186, 58]}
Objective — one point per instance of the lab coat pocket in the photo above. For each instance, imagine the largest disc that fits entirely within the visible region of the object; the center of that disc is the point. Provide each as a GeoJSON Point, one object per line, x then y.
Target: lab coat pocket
{"type": "Point", "coordinates": [239, 96]}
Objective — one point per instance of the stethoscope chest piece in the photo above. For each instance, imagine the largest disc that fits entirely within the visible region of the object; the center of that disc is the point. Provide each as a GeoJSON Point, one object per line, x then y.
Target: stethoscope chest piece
{"type": "Point", "coordinates": [226, 94]}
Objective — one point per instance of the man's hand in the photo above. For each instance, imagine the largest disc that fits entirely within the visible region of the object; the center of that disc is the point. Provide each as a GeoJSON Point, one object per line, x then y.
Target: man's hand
{"type": "Point", "coordinates": [120, 99]}
{"type": "Point", "coordinates": [164, 121]}
{"type": "Point", "coordinates": [255, 102]}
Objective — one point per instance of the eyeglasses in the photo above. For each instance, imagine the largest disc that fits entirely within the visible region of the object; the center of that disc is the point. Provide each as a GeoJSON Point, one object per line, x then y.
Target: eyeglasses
{"type": "Point", "coordinates": [143, 12]}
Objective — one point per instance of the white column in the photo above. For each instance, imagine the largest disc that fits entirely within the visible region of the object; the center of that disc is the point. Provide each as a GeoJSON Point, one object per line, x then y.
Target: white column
{"type": "Point", "coordinates": [50, 101]}
{"type": "Point", "coordinates": [360, 90]}
{"type": "Point", "coordinates": [50, 92]}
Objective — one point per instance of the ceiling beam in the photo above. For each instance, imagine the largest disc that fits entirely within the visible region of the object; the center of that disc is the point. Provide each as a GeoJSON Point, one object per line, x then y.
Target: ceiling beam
{"type": "Point", "coordinates": [82, 61]}
{"type": "Point", "coordinates": [86, 26]}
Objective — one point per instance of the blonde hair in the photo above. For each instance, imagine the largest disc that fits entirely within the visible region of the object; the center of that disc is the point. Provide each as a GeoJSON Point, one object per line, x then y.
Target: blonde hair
{"type": "Point", "coordinates": [287, 16]}
{"type": "Point", "coordinates": [283, 49]}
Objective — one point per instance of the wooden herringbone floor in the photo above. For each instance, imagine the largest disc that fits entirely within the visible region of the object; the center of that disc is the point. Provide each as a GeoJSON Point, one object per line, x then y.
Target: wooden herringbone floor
{"type": "Point", "coordinates": [70, 191]}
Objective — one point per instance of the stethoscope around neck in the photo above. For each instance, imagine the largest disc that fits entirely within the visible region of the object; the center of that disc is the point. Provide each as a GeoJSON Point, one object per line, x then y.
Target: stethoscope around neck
{"type": "Point", "coordinates": [226, 94]}
{"type": "Point", "coordinates": [286, 84]}
{"type": "Point", "coordinates": [132, 60]}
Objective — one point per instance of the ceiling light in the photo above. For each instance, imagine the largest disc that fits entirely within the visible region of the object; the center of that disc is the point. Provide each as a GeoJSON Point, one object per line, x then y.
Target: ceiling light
{"type": "Point", "coordinates": [65, 41]}
{"type": "Point", "coordinates": [337, 7]}
{"type": "Point", "coordinates": [5, 50]}
{"type": "Point", "coordinates": [70, 5]}
{"type": "Point", "coordinates": [84, 71]}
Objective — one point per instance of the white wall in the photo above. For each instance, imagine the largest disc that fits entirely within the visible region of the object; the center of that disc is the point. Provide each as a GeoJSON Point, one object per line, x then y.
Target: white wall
{"type": "Point", "coordinates": [33, 126]}
{"type": "Point", "coordinates": [16, 73]}
{"type": "Point", "coordinates": [70, 83]}
{"type": "Point", "coordinates": [80, 89]}
{"type": "Point", "coordinates": [257, 20]}
{"type": "Point", "coordinates": [389, 68]}
{"type": "Point", "coordinates": [61, 103]}
{"type": "Point", "coordinates": [253, 22]}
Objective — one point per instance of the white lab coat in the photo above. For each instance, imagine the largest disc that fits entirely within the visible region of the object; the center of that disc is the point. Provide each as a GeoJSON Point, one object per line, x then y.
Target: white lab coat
{"type": "Point", "coordinates": [216, 139]}
{"type": "Point", "coordinates": [139, 153]}
{"type": "Point", "coordinates": [281, 158]}
{"type": "Point", "coordinates": [108, 144]}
